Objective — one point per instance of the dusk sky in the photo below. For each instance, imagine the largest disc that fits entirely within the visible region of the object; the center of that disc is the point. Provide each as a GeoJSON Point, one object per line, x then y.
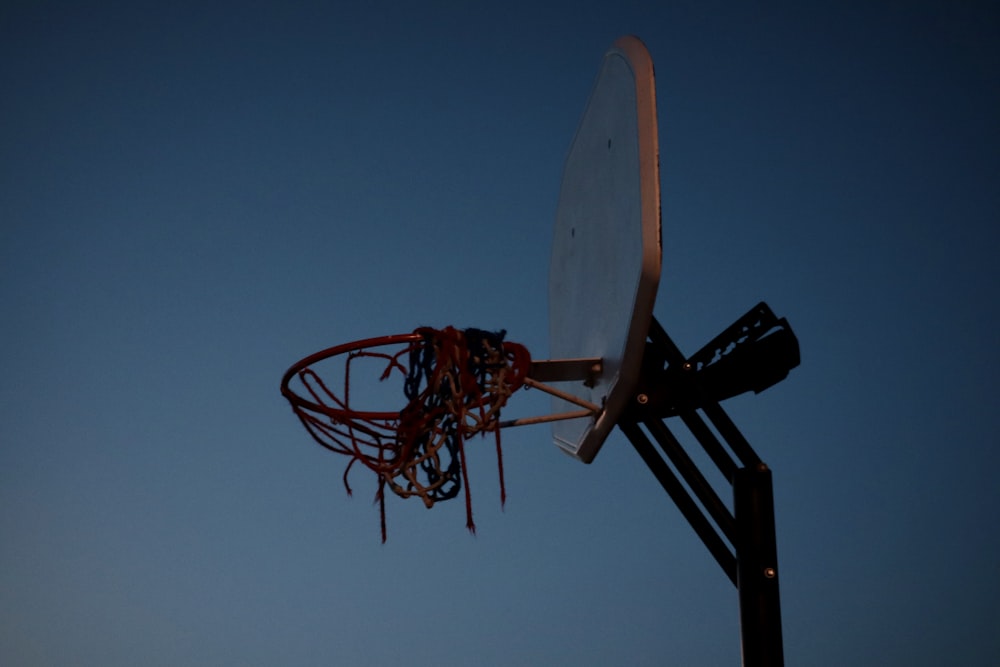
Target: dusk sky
{"type": "Point", "coordinates": [193, 196]}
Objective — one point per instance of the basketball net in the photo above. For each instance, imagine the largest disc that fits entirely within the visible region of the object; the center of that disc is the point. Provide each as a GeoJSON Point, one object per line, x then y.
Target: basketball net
{"type": "Point", "coordinates": [455, 383]}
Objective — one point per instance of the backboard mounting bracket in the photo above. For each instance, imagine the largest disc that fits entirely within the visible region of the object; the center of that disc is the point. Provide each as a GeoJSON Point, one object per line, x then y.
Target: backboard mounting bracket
{"type": "Point", "coordinates": [754, 353]}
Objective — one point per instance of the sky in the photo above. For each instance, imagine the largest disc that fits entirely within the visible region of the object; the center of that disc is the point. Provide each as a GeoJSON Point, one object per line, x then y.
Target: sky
{"type": "Point", "coordinates": [193, 196]}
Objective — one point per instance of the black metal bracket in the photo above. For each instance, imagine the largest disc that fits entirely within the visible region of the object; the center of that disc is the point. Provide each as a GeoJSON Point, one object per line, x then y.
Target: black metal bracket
{"type": "Point", "coordinates": [754, 353]}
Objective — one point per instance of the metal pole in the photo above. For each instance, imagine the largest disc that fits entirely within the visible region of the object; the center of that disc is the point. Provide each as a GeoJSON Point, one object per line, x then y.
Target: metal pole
{"type": "Point", "coordinates": [757, 568]}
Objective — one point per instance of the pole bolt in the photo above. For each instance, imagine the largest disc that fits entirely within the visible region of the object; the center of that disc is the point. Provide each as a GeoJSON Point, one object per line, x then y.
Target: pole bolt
{"type": "Point", "coordinates": [770, 572]}
{"type": "Point", "coordinates": [642, 398]}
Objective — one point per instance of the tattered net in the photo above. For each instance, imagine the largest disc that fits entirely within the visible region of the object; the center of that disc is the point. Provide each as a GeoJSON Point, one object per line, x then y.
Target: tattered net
{"type": "Point", "coordinates": [455, 383]}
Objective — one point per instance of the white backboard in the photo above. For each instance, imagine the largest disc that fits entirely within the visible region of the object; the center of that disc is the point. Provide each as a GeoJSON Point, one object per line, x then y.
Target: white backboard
{"type": "Point", "coordinates": [606, 251]}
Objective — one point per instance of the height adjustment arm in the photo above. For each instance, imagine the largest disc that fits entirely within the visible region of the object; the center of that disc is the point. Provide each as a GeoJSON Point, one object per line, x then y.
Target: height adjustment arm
{"type": "Point", "coordinates": [754, 353]}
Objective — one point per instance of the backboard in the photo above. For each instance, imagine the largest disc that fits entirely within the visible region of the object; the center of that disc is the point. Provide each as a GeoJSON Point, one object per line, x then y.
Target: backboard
{"type": "Point", "coordinates": [606, 251]}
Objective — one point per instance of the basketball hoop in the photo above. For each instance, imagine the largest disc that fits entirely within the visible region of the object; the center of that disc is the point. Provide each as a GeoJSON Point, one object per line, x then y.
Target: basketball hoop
{"type": "Point", "coordinates": [455, 383]}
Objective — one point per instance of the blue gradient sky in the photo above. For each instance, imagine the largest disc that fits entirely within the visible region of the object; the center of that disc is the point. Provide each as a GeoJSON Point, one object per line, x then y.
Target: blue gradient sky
{"type": "Point", "coordinates": [195, 195]}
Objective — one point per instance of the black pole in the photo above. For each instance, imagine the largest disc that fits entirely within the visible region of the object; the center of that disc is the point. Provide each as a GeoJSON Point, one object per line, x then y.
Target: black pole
{"type": "Point", "coordinates": [757, 568]}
